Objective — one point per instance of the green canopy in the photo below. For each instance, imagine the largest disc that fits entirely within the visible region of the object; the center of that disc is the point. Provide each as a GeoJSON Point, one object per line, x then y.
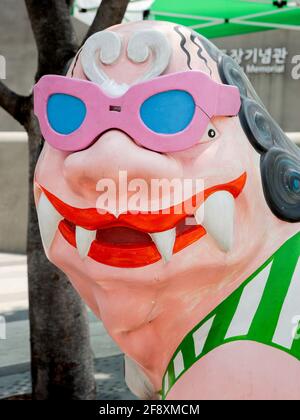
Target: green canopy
{"type": "Point", "coordinates": [219, 18]}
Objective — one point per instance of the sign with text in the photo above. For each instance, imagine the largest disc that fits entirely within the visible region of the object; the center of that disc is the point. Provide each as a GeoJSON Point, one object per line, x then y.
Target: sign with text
{"type": "Point", "coordinates": [255, 60]}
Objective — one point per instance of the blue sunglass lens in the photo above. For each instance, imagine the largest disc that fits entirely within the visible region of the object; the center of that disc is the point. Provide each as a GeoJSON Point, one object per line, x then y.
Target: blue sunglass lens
{"type": "Point", "coordinates": [168, 112]}
{"type": "Point", "coordinates": [65, 113]}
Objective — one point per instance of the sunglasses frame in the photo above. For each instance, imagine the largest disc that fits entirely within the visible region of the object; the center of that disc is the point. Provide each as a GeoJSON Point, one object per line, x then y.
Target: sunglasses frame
{"type": "Point", "coordinates": [104, 112]}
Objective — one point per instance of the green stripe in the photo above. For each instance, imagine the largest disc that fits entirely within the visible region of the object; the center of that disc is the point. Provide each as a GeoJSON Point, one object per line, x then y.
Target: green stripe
{"type": "Point", "coordinates": [188, 351]}
{"type": "Point", "coordinates": [265, 321]}
{"type": "Point", "coordinates": [222, 321]}
{"type": "Point", "coordinates": [171, 374]}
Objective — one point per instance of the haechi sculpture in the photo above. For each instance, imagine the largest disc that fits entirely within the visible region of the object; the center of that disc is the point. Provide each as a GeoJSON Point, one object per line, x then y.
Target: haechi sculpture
{"type": "Point", "coordinates": [203, 299]}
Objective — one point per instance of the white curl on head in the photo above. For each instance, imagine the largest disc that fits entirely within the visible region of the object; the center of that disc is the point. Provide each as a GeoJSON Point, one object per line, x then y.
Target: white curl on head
{"type": "Point", "coordinates": [106, 46]}
{"type": "Point", "coordinates": [144, 42]}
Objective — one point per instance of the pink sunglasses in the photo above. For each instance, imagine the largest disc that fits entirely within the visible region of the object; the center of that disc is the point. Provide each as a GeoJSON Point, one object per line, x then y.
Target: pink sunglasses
{"type": "Point", "coordinates": [167, 114]}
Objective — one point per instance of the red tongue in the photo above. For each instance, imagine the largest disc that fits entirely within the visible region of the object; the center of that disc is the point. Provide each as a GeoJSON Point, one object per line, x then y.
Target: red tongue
{"type": "Point", "coordinates": [122, 235]}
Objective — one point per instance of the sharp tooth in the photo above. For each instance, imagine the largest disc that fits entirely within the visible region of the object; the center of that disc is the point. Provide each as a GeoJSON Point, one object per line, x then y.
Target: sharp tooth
{"type": "Point", "coordinates": [49, 220]}
{"type": "Point", "coordinates": [84, 239]}
{"type": "Point", "coordinates": [164, 242]}
{"type": "Point", "coordinates": [218, 218]}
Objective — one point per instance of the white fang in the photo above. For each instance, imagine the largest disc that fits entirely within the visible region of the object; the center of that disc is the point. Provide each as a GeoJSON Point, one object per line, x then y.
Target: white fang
{"type": "Point", "coordinates": [164, 242]}
{"type": "Point", "coordinates": [84, 239]}
{"type": "Point", "coordinates": [49, 220]}
{"type": "Point", "coordinates": [218, 219]}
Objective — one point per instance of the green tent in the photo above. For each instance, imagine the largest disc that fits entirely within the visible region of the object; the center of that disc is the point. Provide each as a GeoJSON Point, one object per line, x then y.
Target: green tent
{"type": "Point", "coordinates": [219, 18]}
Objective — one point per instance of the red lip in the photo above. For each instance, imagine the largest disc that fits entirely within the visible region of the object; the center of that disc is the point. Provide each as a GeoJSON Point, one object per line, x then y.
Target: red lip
{"type": "Point", "coordinates": [143, 251]}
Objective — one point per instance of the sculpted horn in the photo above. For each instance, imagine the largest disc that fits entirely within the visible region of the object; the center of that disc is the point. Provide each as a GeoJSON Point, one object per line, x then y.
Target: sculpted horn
{"type": "Point", "coordinates": [148, 41]}
{"type": "Point", "coordinates": [105, 46]}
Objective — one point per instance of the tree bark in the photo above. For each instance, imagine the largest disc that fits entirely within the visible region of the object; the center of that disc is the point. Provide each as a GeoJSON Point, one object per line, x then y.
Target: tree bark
{"type": "Point", "coordinates": [13, 103]}
{"type": "Point", "coordinates": [54, 35]}
{"type": "Point", "coordinates": [110, 12]}
{"type": "Point", "coordinates": [70, 3]}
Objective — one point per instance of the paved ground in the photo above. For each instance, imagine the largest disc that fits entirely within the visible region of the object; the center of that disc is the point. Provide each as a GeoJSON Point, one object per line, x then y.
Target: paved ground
{"type": "Point", "coordinates": [14, 349]}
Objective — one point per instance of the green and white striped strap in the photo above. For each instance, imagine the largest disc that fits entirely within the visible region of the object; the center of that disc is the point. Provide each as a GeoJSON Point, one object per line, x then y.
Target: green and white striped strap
{"type": "Point", "coordinates": [262, 309]}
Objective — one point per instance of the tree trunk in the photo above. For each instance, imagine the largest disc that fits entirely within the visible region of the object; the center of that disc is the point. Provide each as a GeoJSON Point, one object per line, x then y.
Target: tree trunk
{"type": "Point", "coordinates": [111, 12]}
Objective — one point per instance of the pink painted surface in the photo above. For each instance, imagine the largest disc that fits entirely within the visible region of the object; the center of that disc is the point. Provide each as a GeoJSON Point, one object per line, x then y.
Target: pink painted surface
{"type": "Point", "coordinates": [241, 371]}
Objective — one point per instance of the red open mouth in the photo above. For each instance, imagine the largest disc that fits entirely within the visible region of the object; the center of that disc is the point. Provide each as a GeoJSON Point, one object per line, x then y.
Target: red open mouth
{"type": "Point", "coordinates": [124, 242]}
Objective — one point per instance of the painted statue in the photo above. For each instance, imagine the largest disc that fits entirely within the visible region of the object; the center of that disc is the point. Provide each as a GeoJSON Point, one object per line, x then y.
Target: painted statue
{"type": "Point", "coordinates": [204, 298]}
